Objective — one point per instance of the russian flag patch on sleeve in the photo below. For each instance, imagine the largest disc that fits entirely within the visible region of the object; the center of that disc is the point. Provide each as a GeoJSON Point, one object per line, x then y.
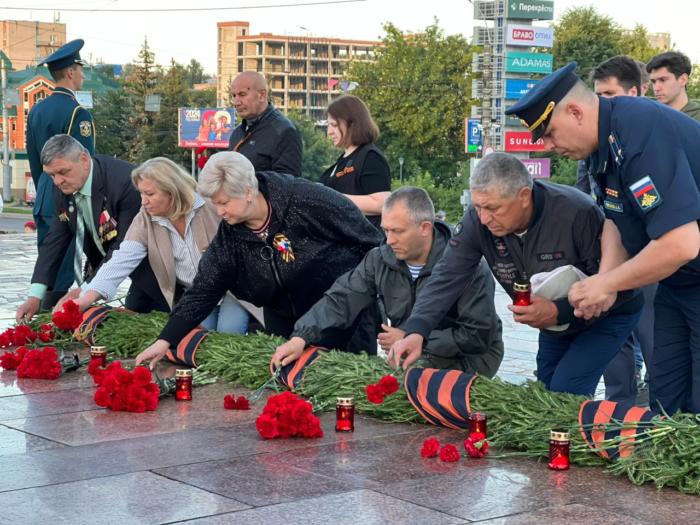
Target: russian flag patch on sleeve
{"type": "Point", "coordinates": [646, 194]}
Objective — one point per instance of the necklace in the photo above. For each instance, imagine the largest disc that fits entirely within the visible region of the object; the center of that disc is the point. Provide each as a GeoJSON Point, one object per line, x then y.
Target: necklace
{"type": "Point", "coordinates": [264, 231]}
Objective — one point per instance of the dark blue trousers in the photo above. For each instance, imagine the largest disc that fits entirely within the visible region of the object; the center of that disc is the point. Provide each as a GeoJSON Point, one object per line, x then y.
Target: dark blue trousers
{"type": "Point", "coordinates": [66, 274]}
{"type": "Point", "coordinates": [574, 363]}
{"type": "Point", "coordinates": [674, 376]}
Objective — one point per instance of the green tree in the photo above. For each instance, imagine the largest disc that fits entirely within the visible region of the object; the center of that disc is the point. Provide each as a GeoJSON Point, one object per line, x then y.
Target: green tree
{"type": "Point", "coordinates": [194, 73]}
{"type": "Point", "coordinates": [444, 197]}
{"type": "Point", "coordinates": [319, 152]}
{"type": "Point", "coordinates": [140, 80]}
{"type": "Point", "coordinates": [174, 92]}
{"type": "Point", "coordinates": [584, 35]}
{"type": "Point", "coordinates": [113, 115]}
{"type": "Point", "coordinates": [635, 44]}
{"type": "Point", "coordinates": [203, 98]}
{"type": "Point", "coordinates": [693, 87]}
{"type": "Point", "coordinates": [418, 90]}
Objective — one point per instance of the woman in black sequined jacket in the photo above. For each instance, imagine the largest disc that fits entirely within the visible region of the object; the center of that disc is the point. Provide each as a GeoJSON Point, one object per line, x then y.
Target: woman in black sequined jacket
{"type": "Point", "coordinates": [282, 243]}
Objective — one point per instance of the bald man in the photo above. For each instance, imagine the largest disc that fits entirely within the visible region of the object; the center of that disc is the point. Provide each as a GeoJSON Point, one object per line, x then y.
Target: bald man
{"type": "Point", "coordinates": [265, 136]}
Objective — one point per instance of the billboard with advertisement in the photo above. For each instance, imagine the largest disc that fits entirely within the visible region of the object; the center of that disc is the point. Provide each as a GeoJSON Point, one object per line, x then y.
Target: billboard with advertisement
{"type": "Point", "coordinates": [530, 9]}
{"type": "Point", "coordinates": [472, 135]}
{"type": "Point", "coordinates": [517, 87]}
{"type": "Point", "coordinates": [529, 36]}
{"type": "Point", "coordinates": [529, 62]}
{"type": "Point", "coordinates": [538, 168]}
{"type": "Point", "coordinates": [205, 127]}
{"type": "Point", "coordinates": [522, 141]}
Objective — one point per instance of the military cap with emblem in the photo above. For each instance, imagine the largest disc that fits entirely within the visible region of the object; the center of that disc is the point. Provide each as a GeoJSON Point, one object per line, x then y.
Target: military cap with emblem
{"type": "Point", "coordinates": [66, 55]}
{"type": "Point", "coordinates": [535, 109]}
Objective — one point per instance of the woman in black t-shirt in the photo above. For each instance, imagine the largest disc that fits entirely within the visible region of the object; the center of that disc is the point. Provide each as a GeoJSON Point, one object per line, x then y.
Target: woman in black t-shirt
{"type": "Point", "coordinates": [361, 173]}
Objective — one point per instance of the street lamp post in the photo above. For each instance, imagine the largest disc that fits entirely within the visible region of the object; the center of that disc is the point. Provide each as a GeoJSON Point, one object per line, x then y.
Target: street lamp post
{"type": "Point", "coordinates": [401, 169]}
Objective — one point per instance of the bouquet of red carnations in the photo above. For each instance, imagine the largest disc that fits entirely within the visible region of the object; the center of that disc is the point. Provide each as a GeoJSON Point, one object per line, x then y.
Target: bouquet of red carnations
{"type": "Point", "coordinates": [39, 363]}
{"type": "Point", "coordinates": [120, 389]}
{"type": "Point", "coordinates": [23, 334]}
{"type": "Point", "coordinates": [287, 415]}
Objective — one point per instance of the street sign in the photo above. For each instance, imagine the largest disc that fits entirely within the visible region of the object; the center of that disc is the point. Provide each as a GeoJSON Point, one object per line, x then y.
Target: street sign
{"type": "Point", "coordinates": [472, 135]}
{"type": "Point", "coordinates": [529, 36]}
{"type": "Point", "coordinates": [538, 168]}
{"type": "Point", "coordinates": [522, 141]}
{"type": "Point", "coordinates": [531, 9]}
{"type": "Point", "coordinates": [517, 87]}
{"type": "Point", "coordinates": [529, 62]}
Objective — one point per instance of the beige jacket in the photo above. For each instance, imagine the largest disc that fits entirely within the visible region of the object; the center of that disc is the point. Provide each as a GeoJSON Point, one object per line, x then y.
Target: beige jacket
{"type": "Point", "coordinates": [204, 225]}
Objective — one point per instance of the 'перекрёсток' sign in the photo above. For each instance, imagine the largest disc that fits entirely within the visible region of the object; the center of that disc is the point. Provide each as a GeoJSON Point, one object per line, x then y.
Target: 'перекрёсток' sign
{"type": "Point", "coordinates": [531, 9]}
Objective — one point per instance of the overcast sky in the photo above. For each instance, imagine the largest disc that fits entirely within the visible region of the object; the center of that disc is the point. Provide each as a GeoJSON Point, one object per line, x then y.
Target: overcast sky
{"type": "Point", "coordinates": [117, 37]}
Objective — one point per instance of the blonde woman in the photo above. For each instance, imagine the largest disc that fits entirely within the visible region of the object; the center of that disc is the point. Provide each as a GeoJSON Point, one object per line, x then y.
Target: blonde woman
{"type": "Point", "coordinates": [173, 230]}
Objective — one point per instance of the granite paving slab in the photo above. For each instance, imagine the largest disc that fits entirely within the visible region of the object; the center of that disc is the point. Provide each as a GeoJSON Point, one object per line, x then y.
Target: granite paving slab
{"type": "Point", "coordinates": [46, 403]}
{"type": "Point", "coordinates": [139, 498]}
{"type": "Point", "coordinates": [567, 514]}
{"type": "Point", "coordinates": [164, 450]}
{"type": "Point", "coordinates": [16, 442]}
{"type": "Point", "coordinates": [350, 508]}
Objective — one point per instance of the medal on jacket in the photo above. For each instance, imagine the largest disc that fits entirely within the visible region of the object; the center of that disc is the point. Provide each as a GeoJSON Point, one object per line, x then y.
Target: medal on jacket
{"type": "Point", "coordinates": [284, 246]}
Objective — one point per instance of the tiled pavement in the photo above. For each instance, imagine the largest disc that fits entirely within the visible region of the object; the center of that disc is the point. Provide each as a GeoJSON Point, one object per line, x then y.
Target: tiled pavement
{"type": "Point", "coordinates": [64, 461]}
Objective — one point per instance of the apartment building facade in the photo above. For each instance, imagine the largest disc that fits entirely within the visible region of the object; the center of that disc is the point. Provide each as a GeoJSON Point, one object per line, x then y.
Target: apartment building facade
{"type": "Point", "coordinates": [303, 72]}
{"type": "Point", "coordinates": [25, 42]}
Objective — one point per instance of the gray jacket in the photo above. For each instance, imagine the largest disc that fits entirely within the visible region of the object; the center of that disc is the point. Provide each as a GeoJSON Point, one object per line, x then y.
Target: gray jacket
{"type": "Point", "coordinates": [471, 325]}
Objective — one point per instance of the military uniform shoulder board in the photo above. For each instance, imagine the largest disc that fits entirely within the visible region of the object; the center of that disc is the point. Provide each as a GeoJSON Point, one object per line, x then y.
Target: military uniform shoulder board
{"type": "Point", "coordinates": [616, 148]}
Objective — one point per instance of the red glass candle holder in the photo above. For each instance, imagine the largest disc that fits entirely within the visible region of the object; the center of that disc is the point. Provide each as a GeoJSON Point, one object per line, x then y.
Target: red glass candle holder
{"type": "Point", "coordinates": [183, 385]}
{"type": "Point", "coordinates": [344, 415]}
{"type": "Point", "coordinates": [558, 450]}
{"type": "Point", "coordinates": [477, 422]}
{"type": "Point", "coordinates": [99, 353]}
{"type": "Point", "coordinates": [521, 289]}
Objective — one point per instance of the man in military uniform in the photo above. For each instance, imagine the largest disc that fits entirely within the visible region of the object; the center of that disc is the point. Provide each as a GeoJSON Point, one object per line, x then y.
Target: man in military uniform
{"type": "Point", "coordinates": [645, 159]}
{"type": "Point", "coordinates": [59, 113]}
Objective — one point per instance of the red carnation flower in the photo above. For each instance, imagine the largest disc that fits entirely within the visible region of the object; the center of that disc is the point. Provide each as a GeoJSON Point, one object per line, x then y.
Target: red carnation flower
{"type": "Point", "coordinates": [476, 445]}
{"type": "Point", "coordinates": [11, 360]}
{"type": "Point", "coordinates": [267, 426]}
{"type": "Point", "coordinates": [69, 318]}
{"type": "Point", "coordinates": [389, 384]}
{"type": "Point", "coordinates": [449, 453]}
{"type": "Point", "coordinates": [102, 397]}
{"type": "Point", "coordinates": [229, 402]}
{"type": "Point", "coordinates": [242, 403]}
{"type": "Point", "coordinates": [142, 375]}
{"type": "Point", "coordinates": [40, 364]}
{"type": "Point", "coordinates": [430, 448]}
{"type": "Point", "coordinates": [375, 394]}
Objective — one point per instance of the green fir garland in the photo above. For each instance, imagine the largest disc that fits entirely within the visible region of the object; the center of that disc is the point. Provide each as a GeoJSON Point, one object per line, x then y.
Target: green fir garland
{"type": "Point", "coordinates": [666, 453]}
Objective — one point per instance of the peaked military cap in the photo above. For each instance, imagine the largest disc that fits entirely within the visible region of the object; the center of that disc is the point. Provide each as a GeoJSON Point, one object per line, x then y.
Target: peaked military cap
{"type": "Point", "coordinates": [535, 109]}
{"type": "Point", "coordinates": [66, 55]}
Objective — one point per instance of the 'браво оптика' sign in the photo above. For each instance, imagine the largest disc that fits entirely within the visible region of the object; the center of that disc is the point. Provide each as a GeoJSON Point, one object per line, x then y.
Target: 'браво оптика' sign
{"type": "Point", "coordinates": [529, 62]}
{"type": "Point", "coordinates": [531, 9]}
